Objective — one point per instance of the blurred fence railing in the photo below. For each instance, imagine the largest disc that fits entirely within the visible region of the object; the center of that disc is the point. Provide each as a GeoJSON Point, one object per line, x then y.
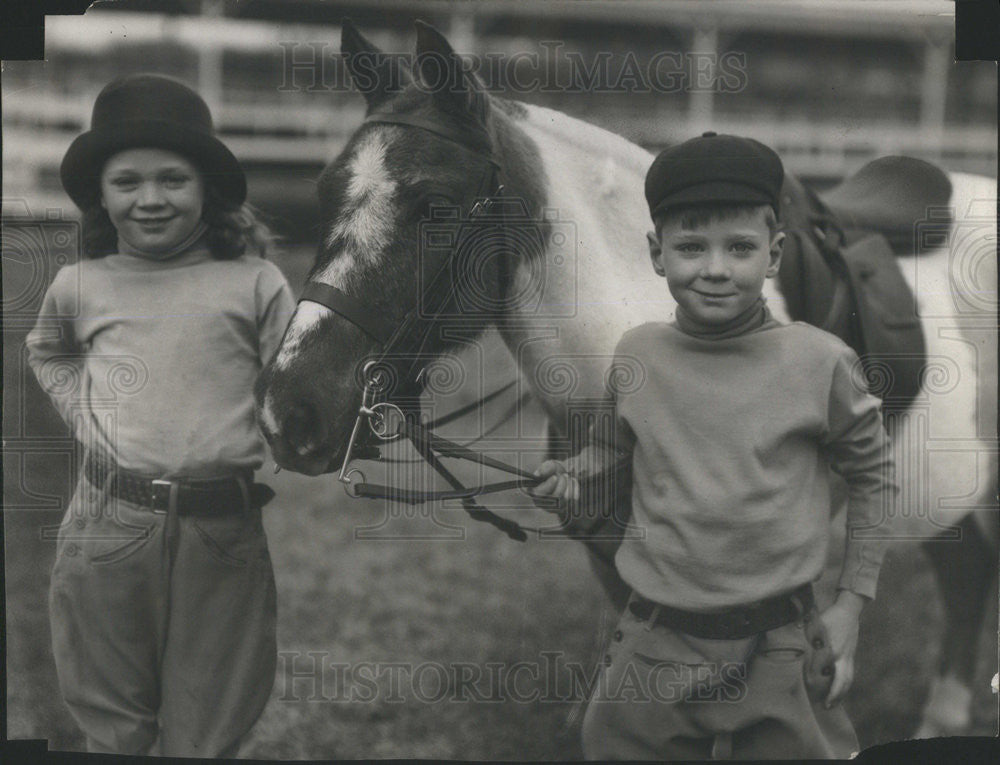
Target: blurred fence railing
{"type": "Point", "coordinates": [271, 125]}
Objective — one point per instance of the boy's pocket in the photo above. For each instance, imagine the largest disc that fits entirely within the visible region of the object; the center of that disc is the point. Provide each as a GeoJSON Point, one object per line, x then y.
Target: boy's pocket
{"type": "Point", "coordinates": [818, 669]}
{"type": "Point", "coordinates": [803, 649]}
{"type": "Point", "coordinates": [685, 667]}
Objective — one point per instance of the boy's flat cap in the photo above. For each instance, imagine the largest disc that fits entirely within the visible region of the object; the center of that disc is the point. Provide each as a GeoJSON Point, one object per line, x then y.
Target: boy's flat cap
{"type": "Point", "coordinates": [714, 168]}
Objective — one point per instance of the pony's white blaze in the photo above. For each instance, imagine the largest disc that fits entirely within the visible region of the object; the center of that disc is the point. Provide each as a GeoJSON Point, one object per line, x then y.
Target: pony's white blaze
{"type": "Point", "coordinates": [306, 318]}
{"type": "Point", "coordinates": [267, 419]}
{"type": "Point", "coordinates": [366, 221]}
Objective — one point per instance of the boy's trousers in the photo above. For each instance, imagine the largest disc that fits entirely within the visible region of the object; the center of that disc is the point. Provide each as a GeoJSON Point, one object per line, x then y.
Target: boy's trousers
{"type": "Point", "coordinates": [667, 695]}
{"type": "Point", "coordinates": [163, 626]}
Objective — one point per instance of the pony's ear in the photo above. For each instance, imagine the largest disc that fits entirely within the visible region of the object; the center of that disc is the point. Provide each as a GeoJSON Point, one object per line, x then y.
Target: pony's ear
{"type": "Point", "coordinates": [377, 75]}
{"type": "Point", "coordinates": [440, 70]}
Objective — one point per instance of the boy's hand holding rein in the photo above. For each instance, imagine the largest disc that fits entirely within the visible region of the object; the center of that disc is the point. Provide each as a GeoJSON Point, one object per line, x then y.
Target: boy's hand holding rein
{"type": "Point", "coordinates": [562, 478]}
{"type": "Point", "coordinates": [558, 482]}
{"type": "Point", "coordinates": [842, 621]}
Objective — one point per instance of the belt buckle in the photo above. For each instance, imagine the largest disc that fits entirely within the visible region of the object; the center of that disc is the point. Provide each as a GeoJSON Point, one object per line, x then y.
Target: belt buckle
{"type": "Point", "coordinates": [159, 496]}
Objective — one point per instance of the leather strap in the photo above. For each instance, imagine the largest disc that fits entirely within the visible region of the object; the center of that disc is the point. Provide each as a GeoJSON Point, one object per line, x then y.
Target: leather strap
{"type": "Point", "coordinates": [730, 624]}
{"type": "Point", "coordinates": [411, 497]}
{"type": "Point", "coordinates": [481, 145]}
{"type": "Point", "coordinates": [426, 444]}
{"type": "Point", "coordinates": [373, 324]}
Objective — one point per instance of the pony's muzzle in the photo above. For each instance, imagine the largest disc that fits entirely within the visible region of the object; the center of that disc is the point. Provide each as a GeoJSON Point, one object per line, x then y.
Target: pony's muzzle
{"type": "Point", "coordinates": [304, 430]}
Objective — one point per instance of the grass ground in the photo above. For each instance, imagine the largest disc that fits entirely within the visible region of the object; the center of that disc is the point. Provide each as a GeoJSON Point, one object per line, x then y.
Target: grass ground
{"type": "Point", "coordinates": [459, 649]}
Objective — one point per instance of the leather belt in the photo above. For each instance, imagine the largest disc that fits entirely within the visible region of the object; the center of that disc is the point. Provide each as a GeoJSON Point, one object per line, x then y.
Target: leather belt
{"type": "Point", "coordinates": [733, 623]}
{"type": "Point", "coordinates": [213, 496]}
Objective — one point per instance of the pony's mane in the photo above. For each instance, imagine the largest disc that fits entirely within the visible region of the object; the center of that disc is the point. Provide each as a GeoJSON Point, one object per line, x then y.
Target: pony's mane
{"type": "Point", "coordinates": [577, 133]}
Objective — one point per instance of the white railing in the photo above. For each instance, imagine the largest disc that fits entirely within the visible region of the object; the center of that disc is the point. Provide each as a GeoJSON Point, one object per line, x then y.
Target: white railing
{"type": "Point", "coordinates": [94, 32]}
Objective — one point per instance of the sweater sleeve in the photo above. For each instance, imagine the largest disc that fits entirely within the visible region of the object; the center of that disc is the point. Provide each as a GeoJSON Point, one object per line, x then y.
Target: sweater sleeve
{"type": "Point", "coordinates": [602, 463]}
{"type": "Point", "coordinates": [609, 432]}
{"type": "Point", "coordinates": [275, 306]}
{"type": "Point", "coordinates": [54, 354]}
{"type": "Point", "coordinates": [859, 451]}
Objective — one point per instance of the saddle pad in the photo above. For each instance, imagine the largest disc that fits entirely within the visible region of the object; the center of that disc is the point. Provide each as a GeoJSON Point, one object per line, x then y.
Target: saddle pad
{"type": "Point", "coordinates": [891, 341]}
{"type": "Point", "coordinates": [849, 283]}
{"type": "Point", "coordinates": [890, 196]}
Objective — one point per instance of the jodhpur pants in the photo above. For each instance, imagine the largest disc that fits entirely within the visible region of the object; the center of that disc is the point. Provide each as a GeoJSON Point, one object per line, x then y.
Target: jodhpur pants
{"type": "Point", "coordinates": [163, 626]}
{"type": "Point", "coordinates": [665, 695]}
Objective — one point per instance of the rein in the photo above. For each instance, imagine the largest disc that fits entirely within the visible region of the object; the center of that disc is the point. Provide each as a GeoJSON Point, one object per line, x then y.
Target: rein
{"type": "Point", "coordinates": [388, 421]}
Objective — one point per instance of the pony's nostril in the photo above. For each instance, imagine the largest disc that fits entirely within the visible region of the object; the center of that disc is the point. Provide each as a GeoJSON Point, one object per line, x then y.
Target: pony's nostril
{"type": "Point", "coordinates": [304, 429]}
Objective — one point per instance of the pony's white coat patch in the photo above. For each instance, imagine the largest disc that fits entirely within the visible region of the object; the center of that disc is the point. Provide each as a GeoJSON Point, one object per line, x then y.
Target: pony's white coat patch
{"type": "Point", "coordinates": [307, 317]}
{"type": "Point", "coordinates": [366, 221]}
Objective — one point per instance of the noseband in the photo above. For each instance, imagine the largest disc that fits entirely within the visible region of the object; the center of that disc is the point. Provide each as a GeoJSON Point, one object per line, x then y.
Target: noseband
{"type": "Point", "coordinates": [388, 421]}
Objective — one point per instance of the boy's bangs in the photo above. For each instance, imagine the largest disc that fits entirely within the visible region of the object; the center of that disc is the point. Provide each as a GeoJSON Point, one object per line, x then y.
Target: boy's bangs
{"type": "Point", "coordinates": [699, 216]}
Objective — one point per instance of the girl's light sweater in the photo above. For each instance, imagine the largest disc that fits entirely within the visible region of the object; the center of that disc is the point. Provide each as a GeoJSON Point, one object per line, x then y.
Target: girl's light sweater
{"type": "Point", "coordinates": [154, 362]}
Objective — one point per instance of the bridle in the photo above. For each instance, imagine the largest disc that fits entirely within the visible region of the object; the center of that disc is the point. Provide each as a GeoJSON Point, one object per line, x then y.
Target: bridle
{"type": "Point", "coordinates": [387, 420]}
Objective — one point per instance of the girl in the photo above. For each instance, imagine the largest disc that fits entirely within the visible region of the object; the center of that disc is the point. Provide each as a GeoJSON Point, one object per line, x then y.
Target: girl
{"type": "Point", "coordinates": [162, 600]}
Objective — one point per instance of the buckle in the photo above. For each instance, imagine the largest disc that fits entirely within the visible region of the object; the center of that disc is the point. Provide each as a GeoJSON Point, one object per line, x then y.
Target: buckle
{"type": "Point", "coordinates": [159, 496]}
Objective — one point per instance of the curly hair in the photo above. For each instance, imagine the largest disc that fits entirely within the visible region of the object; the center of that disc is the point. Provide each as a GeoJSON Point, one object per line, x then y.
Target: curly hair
{"type": "Point", "coordinates": [231, 229]}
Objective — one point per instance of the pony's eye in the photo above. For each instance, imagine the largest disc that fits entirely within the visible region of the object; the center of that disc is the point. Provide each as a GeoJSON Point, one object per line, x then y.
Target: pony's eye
{"type": "Point", "coordinates": [424, 207]}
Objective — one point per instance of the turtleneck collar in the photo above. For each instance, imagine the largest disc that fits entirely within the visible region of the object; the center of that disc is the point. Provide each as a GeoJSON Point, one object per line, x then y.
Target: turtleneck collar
{"type": "Point", "coordinates": [183, 246]}
{"type": "Point", "coordinates": [754, 317]}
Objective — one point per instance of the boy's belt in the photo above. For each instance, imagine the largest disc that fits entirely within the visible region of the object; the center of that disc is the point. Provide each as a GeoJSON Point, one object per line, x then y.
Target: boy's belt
{"type": "Point", "coordinates": [733, 623]}
{"type": "Point", "coordinates": [212, 496]}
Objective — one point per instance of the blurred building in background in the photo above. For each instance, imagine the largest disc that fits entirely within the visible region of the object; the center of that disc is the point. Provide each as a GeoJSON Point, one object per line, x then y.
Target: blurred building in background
{"type": "Point", "coordinates": [829, 84]}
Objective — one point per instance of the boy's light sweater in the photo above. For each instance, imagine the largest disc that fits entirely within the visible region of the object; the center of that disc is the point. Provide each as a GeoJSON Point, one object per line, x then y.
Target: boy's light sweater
{"type": "Point", "coordinates": [733, 439]}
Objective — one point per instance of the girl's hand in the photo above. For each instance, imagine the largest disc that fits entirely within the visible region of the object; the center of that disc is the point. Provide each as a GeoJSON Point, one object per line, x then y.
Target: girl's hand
{"type": "Point", "coordinates": [558, 483]}
{"type": "Point", "coordinates": [841, 620]}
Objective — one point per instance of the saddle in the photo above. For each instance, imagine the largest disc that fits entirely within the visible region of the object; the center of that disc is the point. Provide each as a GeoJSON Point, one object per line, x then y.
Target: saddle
{"type": "Point", "coordinates": [839, 270]}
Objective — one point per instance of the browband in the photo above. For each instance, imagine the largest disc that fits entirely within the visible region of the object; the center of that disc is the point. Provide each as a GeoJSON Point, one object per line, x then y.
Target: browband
{"type": "Point", "coordinates": [443, 131]}
{"type": "Point", "coordinates": [371, 323]}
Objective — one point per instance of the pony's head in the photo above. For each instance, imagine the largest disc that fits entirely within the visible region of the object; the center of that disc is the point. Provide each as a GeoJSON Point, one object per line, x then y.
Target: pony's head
{"type": "Point", "coordinates": [428, 144]}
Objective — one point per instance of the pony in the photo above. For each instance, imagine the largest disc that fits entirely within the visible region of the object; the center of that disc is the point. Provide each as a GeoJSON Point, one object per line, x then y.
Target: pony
{"type": "Point", "coordinates": [567, 275]}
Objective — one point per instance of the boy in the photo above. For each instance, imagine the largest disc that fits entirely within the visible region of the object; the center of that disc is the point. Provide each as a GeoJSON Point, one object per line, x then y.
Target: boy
{"type": "Point", "coordinates": [720, 651]}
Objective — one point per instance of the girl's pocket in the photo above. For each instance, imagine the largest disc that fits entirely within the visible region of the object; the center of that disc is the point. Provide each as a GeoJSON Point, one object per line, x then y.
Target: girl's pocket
{"type": "Point", "coordinates": [118, 532]}
{"type": "Point", "coordinates": [235, 539]}
{"type": "Point", "coordinates": [102, 529]}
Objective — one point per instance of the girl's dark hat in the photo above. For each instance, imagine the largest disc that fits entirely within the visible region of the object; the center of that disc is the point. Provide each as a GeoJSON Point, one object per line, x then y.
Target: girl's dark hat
{"type": "Point", "coordinates": [722, 169]}
{"type": "Point", "coordinates": [149, 110]}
